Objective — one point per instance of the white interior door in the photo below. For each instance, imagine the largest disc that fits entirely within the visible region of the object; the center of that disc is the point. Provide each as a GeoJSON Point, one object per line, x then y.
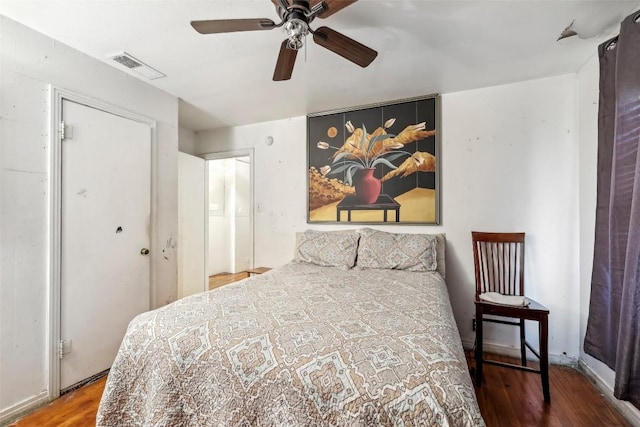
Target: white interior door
{"type": "Point", "coordinates": [191, 225]}
{"type": "Point", "coordinates": [105, 233]}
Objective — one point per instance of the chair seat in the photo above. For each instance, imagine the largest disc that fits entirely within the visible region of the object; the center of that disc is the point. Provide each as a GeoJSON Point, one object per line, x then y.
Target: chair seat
{"type": "Point", "coordinates": [498, 298]}
{"type": "Point", "coordinates": [533, 311]}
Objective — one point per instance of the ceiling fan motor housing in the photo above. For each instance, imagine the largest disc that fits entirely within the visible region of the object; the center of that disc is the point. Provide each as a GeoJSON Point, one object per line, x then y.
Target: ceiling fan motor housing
{"type": "Point", "coordinates": [297, 17]}
{"type": "Point", "coordinates": [299, 9]}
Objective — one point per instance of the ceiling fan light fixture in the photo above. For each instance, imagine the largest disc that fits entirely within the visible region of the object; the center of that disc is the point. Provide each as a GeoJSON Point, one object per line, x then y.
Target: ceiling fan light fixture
{"type": "Point", "coordinates": [296, 29]}
{"type": "Point", "coordinates": [295, 43]}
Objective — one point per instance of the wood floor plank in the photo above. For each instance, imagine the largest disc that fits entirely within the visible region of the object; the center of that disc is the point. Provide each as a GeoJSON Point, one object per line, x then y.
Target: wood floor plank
{"type": "Point", "coordinates": [509, 397]}
{"type": "Point", "coordinates": [222, 279]}
{"type": "Point", "coordinates": [75, 409]}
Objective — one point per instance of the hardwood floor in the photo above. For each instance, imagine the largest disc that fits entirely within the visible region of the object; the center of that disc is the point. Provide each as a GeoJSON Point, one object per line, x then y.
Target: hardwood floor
{"type": "Point", "coordinates": [507, 398]}
{"type": "Point", "coordinates": [75, 409]}
{"type": "Point", "coordinates": [514, 398]}
{"type": "Point", "coordinates": [222, 279]}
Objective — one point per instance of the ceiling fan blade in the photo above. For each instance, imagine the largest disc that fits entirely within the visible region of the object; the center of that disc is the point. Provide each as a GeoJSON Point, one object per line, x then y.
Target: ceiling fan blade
{"type": "Point", "coordinates": [344, 46]}
{"type": "Point", "coordinates": [333, 6]}
{"type": "Point", "coordinates": [231, 25]}
{"type": "Point", "coordinates": [286, 60]}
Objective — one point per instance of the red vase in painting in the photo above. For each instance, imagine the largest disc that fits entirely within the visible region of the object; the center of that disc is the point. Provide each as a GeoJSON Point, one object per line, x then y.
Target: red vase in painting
{"type": "Point", "coordinates": [367, 186]}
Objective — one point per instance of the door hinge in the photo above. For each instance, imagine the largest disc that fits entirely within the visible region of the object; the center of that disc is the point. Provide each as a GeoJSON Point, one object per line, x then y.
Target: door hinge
{"type": "Point", "coordinates": [66, 131]}
{"type": "Point", "coordinates": [64, 347]}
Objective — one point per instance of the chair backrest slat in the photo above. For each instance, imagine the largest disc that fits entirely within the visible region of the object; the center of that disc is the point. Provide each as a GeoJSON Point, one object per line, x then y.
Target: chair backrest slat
{"type": "Point", "coordinates": [499, 262]}
{"type": "Point", "coordinates": [480, 270]}
{"type": "Point", "coordinates": [507, 257]}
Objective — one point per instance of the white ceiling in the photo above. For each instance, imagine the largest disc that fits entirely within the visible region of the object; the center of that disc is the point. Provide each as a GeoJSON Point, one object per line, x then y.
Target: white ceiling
{"type": "Point", "coordinates": [423, 46]}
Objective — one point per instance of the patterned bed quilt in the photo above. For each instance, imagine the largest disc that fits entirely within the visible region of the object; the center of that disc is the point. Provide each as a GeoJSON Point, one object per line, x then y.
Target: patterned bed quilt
{"type": "Point", "coordinates": [301, 345]}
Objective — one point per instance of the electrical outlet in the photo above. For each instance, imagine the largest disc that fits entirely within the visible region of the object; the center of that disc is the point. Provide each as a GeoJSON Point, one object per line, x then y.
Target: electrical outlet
{"type": "Point", "coordinates": [473, 324]}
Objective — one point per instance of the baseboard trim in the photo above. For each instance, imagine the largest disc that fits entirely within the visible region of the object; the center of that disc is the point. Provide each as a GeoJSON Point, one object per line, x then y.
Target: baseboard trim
{"type": "Point", "coordinates": [510, 351]}
{"type": "Point", "coordinates": [84, 382]}
{"type": "Point", "coordinates": [628, 411]}
{"type": "Point", "coordinates": [16, 411]}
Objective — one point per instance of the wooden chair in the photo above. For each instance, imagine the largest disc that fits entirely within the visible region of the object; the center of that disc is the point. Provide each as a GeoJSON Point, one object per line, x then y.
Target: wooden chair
{"type": "Point", "coordinates": [499, 267]}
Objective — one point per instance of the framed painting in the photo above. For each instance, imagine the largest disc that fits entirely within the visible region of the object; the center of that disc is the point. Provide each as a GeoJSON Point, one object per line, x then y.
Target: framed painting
{"type": "Point", "coordinates": [375, 164]}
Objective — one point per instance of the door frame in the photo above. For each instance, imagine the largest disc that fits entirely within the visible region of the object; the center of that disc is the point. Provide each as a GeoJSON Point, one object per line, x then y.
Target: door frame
{"type": "Point", "coordinates": [248, 152]}
{"type": "Point", "coordinates": [56, 96]}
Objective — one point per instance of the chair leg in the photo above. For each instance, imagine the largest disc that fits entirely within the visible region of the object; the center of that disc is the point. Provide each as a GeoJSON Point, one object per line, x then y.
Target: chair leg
{"type": "Point", "coordinates": [523, 347]}
{"type": "Point", "coordinates": [479, 323]}
{"type": "Point", "coordinates": [544, 357]}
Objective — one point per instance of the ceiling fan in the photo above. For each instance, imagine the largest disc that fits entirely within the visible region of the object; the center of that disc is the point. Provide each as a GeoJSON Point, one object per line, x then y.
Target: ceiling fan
{"type": "Point", "coordinates": [296, 15]}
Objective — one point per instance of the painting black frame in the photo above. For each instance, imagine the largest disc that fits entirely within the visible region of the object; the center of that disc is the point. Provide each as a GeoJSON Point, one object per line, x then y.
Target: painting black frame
{"type": "Point", "coordinates": [406, 112]}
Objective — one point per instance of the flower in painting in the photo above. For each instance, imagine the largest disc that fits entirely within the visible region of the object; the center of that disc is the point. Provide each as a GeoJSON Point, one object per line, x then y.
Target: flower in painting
{"type": "Point", "coordinates": [417, 159]}
{"type": "Point", "coordinates": [389, 123]}
{"type": "Point", "coordinates": [349, 126]}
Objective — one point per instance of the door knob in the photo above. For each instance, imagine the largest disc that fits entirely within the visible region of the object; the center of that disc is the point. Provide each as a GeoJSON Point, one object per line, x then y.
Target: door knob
{"type": "Point", "coordinates": [144, 251]}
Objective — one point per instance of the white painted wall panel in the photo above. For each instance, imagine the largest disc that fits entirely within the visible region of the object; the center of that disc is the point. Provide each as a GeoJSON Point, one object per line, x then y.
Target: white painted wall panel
{"type": "Point", "coordinates": [509, 161]}
{"type": "Point", "coordinates": [191, 225]}
{"type": "Point", "coordinates": [186, 140]}
{"type": "Point", "coordinates": [219, 231]}
{"type": "Point", "coordinates": [242, 236]}
{"type": "Point", "coordinates": [165, 178]}
{"type": "Point", "coordinates": [229, 216]}
{"type": "Point", "coordinates": [229, 220]}
{"type": "Point", "coordinates": [23, 293]}
{"type": "Point", "coordinates": [29, 62]}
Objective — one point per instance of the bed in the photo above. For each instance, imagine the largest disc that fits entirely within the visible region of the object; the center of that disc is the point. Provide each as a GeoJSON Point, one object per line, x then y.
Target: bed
{"type": "Point", "coordinates": [306, 344]}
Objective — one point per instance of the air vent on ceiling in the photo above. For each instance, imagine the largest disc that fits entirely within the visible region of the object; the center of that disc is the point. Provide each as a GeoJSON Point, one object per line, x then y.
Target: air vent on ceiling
{"type": "Point", "coordinates": [137, 66]}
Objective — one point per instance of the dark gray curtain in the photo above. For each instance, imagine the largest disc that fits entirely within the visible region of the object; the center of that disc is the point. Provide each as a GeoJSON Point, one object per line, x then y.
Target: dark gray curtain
{"type": "Point", "coordinates": [613, 328]}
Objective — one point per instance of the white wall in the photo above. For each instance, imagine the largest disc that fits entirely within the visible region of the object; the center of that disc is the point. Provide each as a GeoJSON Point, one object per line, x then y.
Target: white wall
{"type": "Point", "coordinates": [219, 221]}
{"type": "Point", "coordinates": [29, 62]}
{"type": "Point", "coordinates": [242, 239]}
{"type": "Point", "coordinates": [186, 140]}
{"type": "Point", "coordinates": [509, 162]}
{"type": "Point", "coordinates": [191, 225]}
{"type": "Point", "coordinates": [229, 219]}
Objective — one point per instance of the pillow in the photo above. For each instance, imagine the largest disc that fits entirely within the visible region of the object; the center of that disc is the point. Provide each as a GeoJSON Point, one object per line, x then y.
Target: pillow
{"type": "Point", "coordinates": [441, 244]}
{"type": "Point", "coordinates": [328, 248]}
{"type": "Point", "coordinates": [299, 235]}
{"type": "Point", "coordinates": [398, 251]}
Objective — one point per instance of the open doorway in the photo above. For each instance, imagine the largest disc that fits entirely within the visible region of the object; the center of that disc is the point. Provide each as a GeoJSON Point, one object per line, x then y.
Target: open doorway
{"type": "Point", "coordinates": [230, 218]}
